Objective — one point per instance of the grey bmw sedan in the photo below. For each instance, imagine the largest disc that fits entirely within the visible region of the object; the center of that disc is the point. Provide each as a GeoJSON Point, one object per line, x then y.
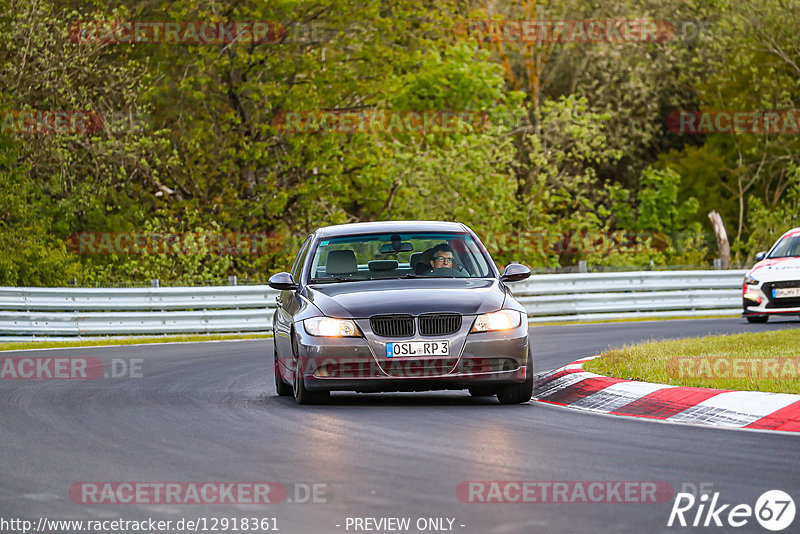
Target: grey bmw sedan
{"type": "Point", "coordinates": [399, 306]}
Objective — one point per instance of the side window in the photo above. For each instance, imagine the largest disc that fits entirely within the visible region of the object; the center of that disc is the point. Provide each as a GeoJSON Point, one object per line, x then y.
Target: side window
{"type": "Point", "coordinates": [301, 258]}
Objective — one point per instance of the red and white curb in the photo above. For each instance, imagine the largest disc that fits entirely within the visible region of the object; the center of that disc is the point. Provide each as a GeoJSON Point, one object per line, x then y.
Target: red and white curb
{"type": "Point", "coordinates": [573, 387]}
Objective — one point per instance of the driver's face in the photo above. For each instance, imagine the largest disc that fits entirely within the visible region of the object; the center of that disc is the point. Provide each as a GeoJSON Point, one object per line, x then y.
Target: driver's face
{"type": "Point", "coordinates": [442, 259]}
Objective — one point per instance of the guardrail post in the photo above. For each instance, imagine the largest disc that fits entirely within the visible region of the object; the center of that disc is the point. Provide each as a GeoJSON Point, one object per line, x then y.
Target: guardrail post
{"type": "Point", "coordinates": [154, 282]}
{"type": "Point", "coordinates": [582, 267]}
{"type": "Point", "coordinates": [232, 280]}
{"type": "Point", "coordinates": [717, 264]}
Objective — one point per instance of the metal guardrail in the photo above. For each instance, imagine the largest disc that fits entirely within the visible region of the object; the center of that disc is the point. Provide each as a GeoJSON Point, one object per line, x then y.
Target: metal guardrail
{"type": "Point", "coordinates": [598, 296]}
{"type": "Point", "coordinates": [69, 312]}
{"type": "Point", "coordinates": [128, 311]}
{"type": "Point", "coordinates": [136, 298]}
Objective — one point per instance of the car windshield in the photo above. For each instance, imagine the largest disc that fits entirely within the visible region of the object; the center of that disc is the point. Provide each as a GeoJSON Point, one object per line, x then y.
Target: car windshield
{"type": "Point", "coordinates": [788, 247]}
{"type": "Point", "coordinates": [398, 255]}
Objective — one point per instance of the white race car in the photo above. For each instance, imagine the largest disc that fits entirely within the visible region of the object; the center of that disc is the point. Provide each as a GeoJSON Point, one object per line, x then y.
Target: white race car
{"type": "Point", "coordinates": [772, 286]}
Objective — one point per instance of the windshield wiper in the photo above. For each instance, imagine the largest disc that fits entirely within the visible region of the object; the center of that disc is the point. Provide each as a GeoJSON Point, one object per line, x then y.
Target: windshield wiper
{"type": "Point", "coordinates": [334, 279]}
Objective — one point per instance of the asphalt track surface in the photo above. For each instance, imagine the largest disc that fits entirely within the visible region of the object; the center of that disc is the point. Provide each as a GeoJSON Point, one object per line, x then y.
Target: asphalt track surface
{"type": "Point", "coordinates": [208, 412]}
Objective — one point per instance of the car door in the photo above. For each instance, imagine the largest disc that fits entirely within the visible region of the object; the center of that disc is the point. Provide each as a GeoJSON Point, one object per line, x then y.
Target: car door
{"type": "Point", "coordinates": [287, 305]}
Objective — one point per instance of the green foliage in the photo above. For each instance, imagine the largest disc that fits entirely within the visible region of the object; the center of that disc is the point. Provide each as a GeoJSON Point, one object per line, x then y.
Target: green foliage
{"type": "Point", "coordinates": [557, 189]}
{"type": "Point", "coordinates": [440, 175]}
{"type": "Point", "coordinates": [705, 169]}
{"type": "Point", "coordinates": [31, 255]}
{"type": "Point", "coordinates": [197, 258]}
{"type": "Point", "coordinates": [662, 231]}
{"type": "Point", "coordinates": [575, 144]}
{"type": "Point", "coordinates": [752, 63]}
{"type": "Point", "coordinates": [770, 224]}
{"type": "Point", "coordinates": [659, 208]}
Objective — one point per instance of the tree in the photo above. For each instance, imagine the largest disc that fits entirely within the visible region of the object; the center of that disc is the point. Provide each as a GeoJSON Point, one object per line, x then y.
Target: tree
{"type": "Point", "coordinates": [31, 255]}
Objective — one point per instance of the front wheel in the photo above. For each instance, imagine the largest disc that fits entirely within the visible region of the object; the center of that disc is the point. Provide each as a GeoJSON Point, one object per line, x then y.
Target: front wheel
{"type": "Point", "coordinates": [757, 318]}
{"type": "Point", "coordinates": [518, 393]}
{"type": "Point", "coordinates": [282, 388]}
{"type": "Point", "coordinates": [301, 394]}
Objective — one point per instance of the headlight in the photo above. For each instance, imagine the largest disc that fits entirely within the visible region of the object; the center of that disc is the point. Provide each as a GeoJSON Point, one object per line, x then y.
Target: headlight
{"type": "Point", "coordinates": [330, 327]}
{"type": "Point", "coordinates": [499, 320]}
{"type": "Point", "coordinates": [750, 281]}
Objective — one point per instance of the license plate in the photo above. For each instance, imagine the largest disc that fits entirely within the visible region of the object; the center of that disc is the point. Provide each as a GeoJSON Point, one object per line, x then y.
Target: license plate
{"type": "Point", "coordinates": [786, 292]}
{"type": "Point", "coordinates": [417, 348]}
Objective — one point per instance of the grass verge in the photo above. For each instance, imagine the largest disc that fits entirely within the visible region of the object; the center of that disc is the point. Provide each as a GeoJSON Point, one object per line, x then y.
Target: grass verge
{"type": "Point", "coordinates": [762, 361]}
{"type": "Point", "coordinates": [15, 345]}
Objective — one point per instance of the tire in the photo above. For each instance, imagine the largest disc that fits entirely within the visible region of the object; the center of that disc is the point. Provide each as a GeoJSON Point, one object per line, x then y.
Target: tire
{"type": "Point", "coordinates": [518, 393]}
{"type": "Point", "coordinates": [281, 388]}
{"type": "Point", "coordinates": [483, 391]}
{"type": "Point", "coordinates": [757, 318]}
{"type": "Point", "coordinates": [301, 394]}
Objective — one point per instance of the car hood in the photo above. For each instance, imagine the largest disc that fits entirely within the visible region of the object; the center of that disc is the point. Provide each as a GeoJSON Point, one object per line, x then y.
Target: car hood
{"type": "Point", "coordinates": [773, 269]}
{"type": "Point", "coordinates": [360, 300]}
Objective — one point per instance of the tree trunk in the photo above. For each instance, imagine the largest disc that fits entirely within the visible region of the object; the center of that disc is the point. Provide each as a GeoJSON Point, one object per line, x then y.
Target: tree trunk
{"type": "Point", "coordinates": [722, 239]}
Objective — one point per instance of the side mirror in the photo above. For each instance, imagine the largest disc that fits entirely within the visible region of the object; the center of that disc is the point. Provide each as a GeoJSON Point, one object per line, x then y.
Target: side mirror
{"type": "Point", "coordinates": [760, 256]}
{"type": "Point", "coordinates": [282, 281]}
{"type": "Point", "coordinates": [515, 272]}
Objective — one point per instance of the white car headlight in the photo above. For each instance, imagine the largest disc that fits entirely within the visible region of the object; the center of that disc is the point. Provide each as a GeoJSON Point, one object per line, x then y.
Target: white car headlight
{"type": "Point", "coordinates": [499, 320]}
{"type": "Point", "coordinates": [330, 327]}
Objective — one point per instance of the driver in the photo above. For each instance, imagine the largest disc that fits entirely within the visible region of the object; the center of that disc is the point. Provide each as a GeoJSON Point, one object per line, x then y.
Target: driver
{"type": "Point", "coordinates": [442, 256]}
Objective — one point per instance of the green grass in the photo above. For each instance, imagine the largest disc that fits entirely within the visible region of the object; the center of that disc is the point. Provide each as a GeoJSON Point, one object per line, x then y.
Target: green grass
{"type": "Point", "coordinates": [763, 361]}
{"type": "Point", "coordinates": [125, 341]}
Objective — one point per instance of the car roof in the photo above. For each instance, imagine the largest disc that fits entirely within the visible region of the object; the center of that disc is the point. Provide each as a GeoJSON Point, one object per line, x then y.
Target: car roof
{"type": "Point", "coordinates": [390, 226]}
{"type": "Point", "coordinates": [792, 232]}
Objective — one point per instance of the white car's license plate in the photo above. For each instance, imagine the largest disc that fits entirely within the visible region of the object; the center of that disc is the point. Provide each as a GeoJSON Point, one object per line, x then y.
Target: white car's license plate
{"type": "Point", "coordinates": [417, 348]}
{"type": "Point", "coordinates": [786, 292]}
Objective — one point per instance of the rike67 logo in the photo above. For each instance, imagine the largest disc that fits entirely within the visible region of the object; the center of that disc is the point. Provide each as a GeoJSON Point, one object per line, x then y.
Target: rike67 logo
{"type": "Point", "coordinates": [774, 510]}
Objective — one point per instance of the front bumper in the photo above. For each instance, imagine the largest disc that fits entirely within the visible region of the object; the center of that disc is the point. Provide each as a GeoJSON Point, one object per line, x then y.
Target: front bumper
{"type": "Point", "coordinates": [758, 300]}
{"type": "Point", "coordinates": [360, 364]}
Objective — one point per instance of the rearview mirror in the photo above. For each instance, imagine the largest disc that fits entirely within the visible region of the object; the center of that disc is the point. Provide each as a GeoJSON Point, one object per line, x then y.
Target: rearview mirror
{"type": "Point", "coordinates": [389, 248]}
{"type": "Point", "coordinates": [515, 272]}
{"type": "Point", "coordinates": [760, 256]}
{"type": "Point", "coordinates": [282, 281]}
